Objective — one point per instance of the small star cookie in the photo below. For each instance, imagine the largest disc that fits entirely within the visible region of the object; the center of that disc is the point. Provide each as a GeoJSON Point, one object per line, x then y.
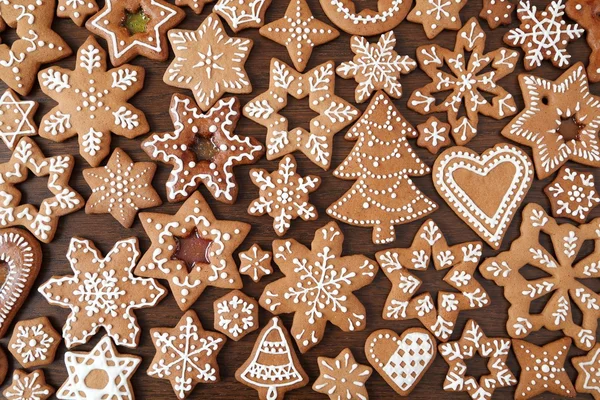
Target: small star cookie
{"type": "Point", "coordinates": [16, 118]}
{"type": "Point", "coordinates": [588, 367]}
{"type": "Point", "coordinates": [342, 377]}
{"type": "Point", "coordinates": [77, 10]}
{"type": "Point", "coordinates": [433, 135]}
{"type": "Point", "coordinates": [497, 12]}
{"type": "Point", "coordinates": [437, 15]}
{"type": "Point", "coordinates": [34, 342]}
{"type": "Point", "coordinates": [255, 262]}
{"type": "Point", "coordinates": [30, 386]}
{"type": "Point", "coordinates": [195, 5]}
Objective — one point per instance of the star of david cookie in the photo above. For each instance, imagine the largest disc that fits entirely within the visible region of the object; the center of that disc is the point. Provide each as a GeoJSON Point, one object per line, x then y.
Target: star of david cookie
{"type": "Point", "coordinates": [16, 118]}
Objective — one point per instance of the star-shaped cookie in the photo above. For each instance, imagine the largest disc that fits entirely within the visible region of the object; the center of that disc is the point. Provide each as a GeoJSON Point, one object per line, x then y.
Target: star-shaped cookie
{"type": "Point", "coordinates": [192, 250]}
{"type": "Point", "coordinates": [208, 62]}
{"type": "Point", "coordinates": [30, 386]}
{"type": "Point", "coordinates": [77, 10]}
{"type": "Point", "coordinates": [588, 370]}
{"type": "Point", "coordinates": [256, 262]}
{"type": "Point", "coordinates": [342, 377]}
{"type": "Point", "coordinates": [16, 118]}
{"type": "Point", "coordinates": [121, 188]}
{"type": "Point", "coordinates": [195, 5]}
{"type": "Point", "coordinates": [203, 149]}
{"type": "Point", "coordinates": [102, 293]}
{"type": "Point", "coordinates": [299, 31]}
{"type": "Point", "coordinates": [497, 12]}
{"type": "Point", "coordinates": [445, 14]}
{"type": "Point", "coordinates": [587, 14]}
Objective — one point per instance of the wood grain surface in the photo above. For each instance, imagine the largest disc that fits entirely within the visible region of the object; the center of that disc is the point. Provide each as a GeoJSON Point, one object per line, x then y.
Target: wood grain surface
{"type": "Point", "coordinates": [154, 101]}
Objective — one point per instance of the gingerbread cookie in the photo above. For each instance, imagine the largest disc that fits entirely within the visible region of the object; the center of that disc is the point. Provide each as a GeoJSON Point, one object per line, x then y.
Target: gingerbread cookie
{"type": "Point", "coordinates": [587, 366]}
{"type": "Point", "coordinates": [318, 286]}
{"type": "Point", "coordinates": [299, 31]}
{"type": "Point", "coordinates": [103, 373]}
{"type": "Point", "coordinates": [186, 354]}
{"type": "Point", "coordinates": [433, 135]}
{"type": "Point", "coordinates": [195, 5]}
{"type": "Point", "coordinates": [20, 261]}
{"type": "Point", "coordinates": [437, 15]}
{"type": "Point", "coordinates": [376, 66]}
{"type": "Point", "coordinates": [208, 62]}
{"type": "Point", "coordinates": [256, 263]}
{"type": "Point", "coordinates": [241, 15]}
{"type": "Point", "coordinates": [342, 377]}
{"type": "Point", "coordinates": [92, 102]}
{"type": "Point", "coordinates": [34, 342]}
{"type": "Point", "coordinates": [203, 149]}
{"type": "Point", "coordinates": [77, 10]}
{"type": "Point", "coordinates": [36, 44]}
{"type": "Point", "coordinates": [572, 195]}
{"type": "Point", "coordinates": [484, 190]}
{"type": "Point", "coordinates": [497, 12]}
{"type": "Point", "coordinates": [467, 73]}
{"type": "Point", "coordinates": [401, 360]}
{"type": "Point", "coordinates": [543, 35]}
{"type": "Point", "coordinates": [3, 366]}
{"type": "Point", "coordinates": [543, 369]}
{"type": "Point", "coordinates": [121, 188]}
{"type": "Point", "coordinates": [366, 22]}
{"type": "Point", "coordinates": [273, 367]}
{"type": "Point", "coordinates": [585, 13]}
{"type": "Point", "coordinates": [236, 315]}
{"type": "Point", "coordinates": [473, 341]}
{"type": "Point", "coordinates": [284, 194]}
{"type": "Point", "coordinates": [383, 194]}
{"type": "Point", "coordinates": [102, 292]}
{"type": "Point", "coordinates": [552, 126]}
{"type": "Point", "coordinates": [562, 277]}
{"type": "Point", "coordinates": [429, 246]}
{"type": "Point", "coordinates": [30, 386]}
{"type": "Point", "coordinates": [16, 118]}
{"type": "Point", "coordinates": [192, 250]}
{"type": "Point", "coordinates": [135, 27]}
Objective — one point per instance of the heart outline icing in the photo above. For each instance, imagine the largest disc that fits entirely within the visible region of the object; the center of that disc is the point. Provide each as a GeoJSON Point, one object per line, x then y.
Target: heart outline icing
{"type": "Point", "coordinates": [489, 228]}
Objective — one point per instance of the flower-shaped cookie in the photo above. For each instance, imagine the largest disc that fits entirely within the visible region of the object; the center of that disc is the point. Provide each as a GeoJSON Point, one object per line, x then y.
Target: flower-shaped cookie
{"type": "Point", "coordinates": [255, 262]}
{"type": "Point", "coordinates": [26, 386]}
{"type": "Point", "coordinates": [572, 194]}
{"type": "Point", "coordinates": [34, 342]}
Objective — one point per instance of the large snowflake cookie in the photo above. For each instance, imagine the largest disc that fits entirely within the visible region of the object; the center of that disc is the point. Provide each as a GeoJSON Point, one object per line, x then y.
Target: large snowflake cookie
{"type": "Point", "coordinates": [342, 377]}
{"type": "Point", "coordinates": [466, 74]}
{"type": "Point", "coordinates": [561, 280]}
{"type": "Point", "coordinates": [236, 315]}
{"type": "Point", "coordinates": [437, 15]}
{"type": "Point", "coordinates": [318, 85]}
{"type": "Point", "coordinates": [572, 194]}
{"type": "Point", "coordinates": [203, 148]}
{"type": "Point", "coordinates": [34, 342]}
{"type": "Point", "coordinates": [241, 15]}
{"type": "Point", "coordinates": [30, 386]}
{"type": "Point", "coordinates": [102, 292]}
{"type": "Point", "coordinates": [92, 102]}
{"type": "Point", "coordinates": [381, 162]}
{"type": "Point", "coordinates": [41, 222]}
{"type": "Point", "coordinates": [543, 35]}
{"type": "Point", "coordinates": [186, 354]}
{"type": "Point", "coordinates": [588, 368]}
{"type": "Point", "coordinates": [192, 250]}
{"type": "Point", "coordinates": [585, 13]}
{"type": "Point", "coordinates": [318, 286]}
{"type": "Point", "coordinates": [16, 118]}
{"type": "Point", "coordinates": [77, 10]}
{"type": "Point", "coordinates": [560, 122]}
{"type": "Point", "coordinates": [461, 260]}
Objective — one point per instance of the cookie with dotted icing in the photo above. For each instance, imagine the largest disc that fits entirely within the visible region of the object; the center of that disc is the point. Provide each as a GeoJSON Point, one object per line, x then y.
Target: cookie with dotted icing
{"type": "Point", "coordinates": [241, 15]}
{"type": "Point", "coordinates": [77, 10]}
{"type": "Point", "coordinates": [236, 314]}
{"type": "Point", "coordinates": [484, 190]}
{"type": "Point", "coordinates": [256, 262]}
{"type": "Point", "coordinates": [587, 366]}
{"type": "Point", "coordinates": [195, 5]}
{"type": "Point", "coordinates": [28, 386]}
{"type": "Point", "coordinates": [587, 14]}
{"type": "Point", "coordinates": [437, 15]}
{"type": "Point", "coordinates": [401, 360]}
{"type": "Point", "coordinates": [34, 342]}
{"type": "Point", "coordinates": [342, 377]}
{"type": "Point", "coordinates": [497, 12]}
{"type": "Point", "coordinates": [572, 194]}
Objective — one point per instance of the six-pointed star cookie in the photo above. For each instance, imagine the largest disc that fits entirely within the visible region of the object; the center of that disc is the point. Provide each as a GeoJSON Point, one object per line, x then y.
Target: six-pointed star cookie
{"type": "Point", "coordinates": [192, 250]}
{"type": "Point", "coordinates": [34, 342]}
{"type": "Point", "coordinates": [121, 188]}
{"type": "Point", "coordinates": [446, 14]}
{"type": "Point", "coordinates": [103, 373]}
{"type": "Point", "coordinates": [299, 31]}
{"type": "Point", "coordinates": [256, 262]}
{"type": "Point", "coordinates": [77, 10]}
{"type": "Point", "coordinates": [203, 149]}
{"type": "Point", "coordinates": [102, 293]}
{"type": "Point", "coordinates": [135, 27]}
{"type": "Point", "coordinates": [342, 377]}
{"type": "Point", "coordinates": [16, 118]}
{"type": "Point", "coordinates": [208, 62]}
{"type": "Point", "coordinates": [30, 386]}
{"type": "Point", "coordinates": [588, 372]}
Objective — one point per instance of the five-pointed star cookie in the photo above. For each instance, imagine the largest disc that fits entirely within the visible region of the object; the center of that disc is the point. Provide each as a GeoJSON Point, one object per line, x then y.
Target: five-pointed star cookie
{"type": "Point", "coordinates": [497, 12]}
{"type": "Point", "coordinates": [195, 5]}
{"type": "Point", "coordinates": [543, 369]}
{"type": "Point", "coordinates": [203, 149]}
{"type": "Point", "coordinates": [560, 121]}
{"type": "Point", "coordinates": [135, 27]}
{"type": "Point", "coordinates": [30, 386]}
{"type": "Point", "coordinates": [77, 10]}
{"type": "Point", "coordinates": [92, 102]}
{"type": "Point", "coordinates": [446, 14]}
{"type": "Point", "coordinates": [16, 118]}
{"type": "Point", "coordinates": [588, 372]}
{"type": "Point", "coordinates": [587, 14]}
{"type": "Point", "coordinates": [102, 293]}
{"type": "Point", "coordinates": [192, 250]}
{"type": "Point", "coordinates": [103, 373]}
{"type": "Point", "coordinates": [299, 31]}
{"type": "Point", "coordinates": [186, 354]}
{"type": "Point", "coordinates": [342, 377]}
{"type": "Point", "coordinates": [121, 188]}
{"type": "Point", "coordinates": [318, 85]}
{"type": "Point", "coordinates": [208, 62]}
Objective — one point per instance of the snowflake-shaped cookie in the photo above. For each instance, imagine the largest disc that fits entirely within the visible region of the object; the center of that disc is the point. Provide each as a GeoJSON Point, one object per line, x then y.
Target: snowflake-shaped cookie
{"type": "Point", "coordinates": [342, 377]}
{"type": "Point", "coordinates": [473, 341]}
{"type": "Point", "coordinates": [186, 354]}
{"type": "Point", "coordinates": [26, 386]}
{"type": "Point", "coordinates": [203, 149]}
{"type": "Point", "coordinates": [16, 118]}
{"type": "Point", "coordinates": [284, 194]}
{"type": "Point", "coordinates": [497, 12]}
{"type": "Point", "coordinates": [255, 262]}
{"type": "Point", "coordinates": [433, 135]}
{"type": "Point", "coordinates": [236, 315]}
{"type": "Point", "coordinates": [318, 85]}
{"type": "Point", "coordinates": [92, 102]}
{"type": "Point", "coordinates": [34, 342]}
{"type": "Point", "coordinates": [102, 293]}
{"type": "Point", "coordinates": [572, 195]}
{"type": "Point", "coordinates": [460, 260]}
{"type": "Point", "coordinates": [77, 10]}
{"type": "Point", "coordinates": [208, 62]}
{"type": "Point", "coordinates": [543, 35]}
{"type": "Point", "coordinates": [318, 286]}
{"type": "Point", "coordinates": [468, 78]}
{"type": "Point", "coordinates": [445, 14]}
{"type": "Point", "coordinates": [562, 278]}
{"type": "Point", "coordinates": [376, 66]}
{"type": "Point", "coordinates": [241, 15]}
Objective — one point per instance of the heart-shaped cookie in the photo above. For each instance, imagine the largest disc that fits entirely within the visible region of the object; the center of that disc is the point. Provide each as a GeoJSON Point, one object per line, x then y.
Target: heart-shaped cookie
{"type": "Point", "coordinates": [401, 360]}
{"type": "Point", "coordinates": [484, 190]}
{"type": "Point", "coordinates": [20, 260]}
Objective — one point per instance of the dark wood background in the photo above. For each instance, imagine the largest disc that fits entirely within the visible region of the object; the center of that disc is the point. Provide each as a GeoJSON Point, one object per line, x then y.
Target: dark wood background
{"type": "Point", "coordinates": [154, 101]}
